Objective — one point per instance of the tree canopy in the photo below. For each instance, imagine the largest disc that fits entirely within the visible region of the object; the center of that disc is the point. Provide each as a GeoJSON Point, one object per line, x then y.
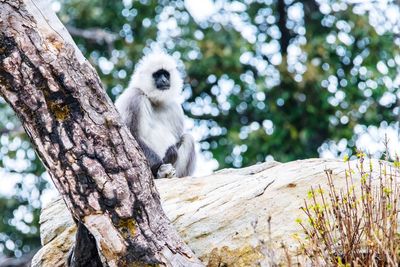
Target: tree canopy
{"type": "Point", "coordinates": [264, 80]}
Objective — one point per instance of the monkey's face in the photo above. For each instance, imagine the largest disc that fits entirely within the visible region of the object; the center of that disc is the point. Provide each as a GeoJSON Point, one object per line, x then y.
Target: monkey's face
{"type": "Point", "coordinates": [162, 79]}
{"type": "Point", "coordinates": [158, 77]}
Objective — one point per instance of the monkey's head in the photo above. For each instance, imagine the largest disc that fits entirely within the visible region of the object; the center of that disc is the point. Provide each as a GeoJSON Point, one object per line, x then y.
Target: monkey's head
{"type": "Point", "coordinates": [158, 77]}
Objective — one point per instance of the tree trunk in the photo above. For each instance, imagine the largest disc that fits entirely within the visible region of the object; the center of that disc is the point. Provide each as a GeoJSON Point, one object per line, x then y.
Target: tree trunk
{"type": "Point", "coordinates": [92, 158]}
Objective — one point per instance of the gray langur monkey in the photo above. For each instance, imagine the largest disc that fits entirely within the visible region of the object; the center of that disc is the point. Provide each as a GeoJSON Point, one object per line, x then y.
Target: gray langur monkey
{"type": "Point", "coordinates": [151, 109]}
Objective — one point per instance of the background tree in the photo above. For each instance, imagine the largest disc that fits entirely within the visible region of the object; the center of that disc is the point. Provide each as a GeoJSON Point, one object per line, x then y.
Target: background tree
{"type": "Point", "coordinates": [266, 80]}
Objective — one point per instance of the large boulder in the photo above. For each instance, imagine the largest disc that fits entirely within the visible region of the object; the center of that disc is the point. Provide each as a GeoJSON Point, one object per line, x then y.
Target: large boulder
{"type": "Point", "coordinates": [237, 217]}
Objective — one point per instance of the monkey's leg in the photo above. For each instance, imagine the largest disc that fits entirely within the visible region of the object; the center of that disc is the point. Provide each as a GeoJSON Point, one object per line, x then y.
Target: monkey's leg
{"type": "Point", "coordinates": [186, 160]}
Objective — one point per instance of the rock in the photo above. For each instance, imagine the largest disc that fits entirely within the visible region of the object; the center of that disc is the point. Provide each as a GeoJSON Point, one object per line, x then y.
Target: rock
{"type": "Point", "coordinates": [224, 217]}
{"type": "Point", "coordinates": [53, 222]}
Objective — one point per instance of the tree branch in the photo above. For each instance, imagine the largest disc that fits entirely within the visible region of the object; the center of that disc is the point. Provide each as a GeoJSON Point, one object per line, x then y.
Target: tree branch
{"type": "Point", "coordinates": [96, 35]}
{"type": "Point", "coordinates": [285, 32]}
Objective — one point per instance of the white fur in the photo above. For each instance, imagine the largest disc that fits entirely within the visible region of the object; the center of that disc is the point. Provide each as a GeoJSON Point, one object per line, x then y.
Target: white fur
{"type": "Point", "coordinates": [155, 126]}
{"type": "Point", "coordinates": [155, 116]}
{"type": "Point", "coordinates": [142, 77]}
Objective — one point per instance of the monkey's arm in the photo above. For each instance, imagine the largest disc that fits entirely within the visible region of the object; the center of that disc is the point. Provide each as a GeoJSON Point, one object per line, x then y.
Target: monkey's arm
{"type": "Point", "coordinates": [171, 155]}
{"type": "Point", "coordinates": [186, 159]}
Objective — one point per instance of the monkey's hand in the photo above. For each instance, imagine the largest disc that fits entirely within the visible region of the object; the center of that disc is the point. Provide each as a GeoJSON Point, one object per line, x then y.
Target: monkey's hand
{"type": "Point", "coordinates": [166, 171]}
{"type": "Point", "coordinates": [171, 155]}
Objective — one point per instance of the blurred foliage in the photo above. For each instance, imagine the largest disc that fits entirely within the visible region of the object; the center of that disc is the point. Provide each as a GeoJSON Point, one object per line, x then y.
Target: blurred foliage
{"type": "Point", "coordinates": [265, 80]}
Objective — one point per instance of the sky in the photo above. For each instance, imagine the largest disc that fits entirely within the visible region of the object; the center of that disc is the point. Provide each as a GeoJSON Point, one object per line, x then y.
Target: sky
{"type": "Point", "coordinates": [200, 10]}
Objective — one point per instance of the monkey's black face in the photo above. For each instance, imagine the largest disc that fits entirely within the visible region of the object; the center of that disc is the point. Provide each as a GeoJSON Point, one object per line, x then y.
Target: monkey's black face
{"type": "Point", "coordinates": [161, 79]}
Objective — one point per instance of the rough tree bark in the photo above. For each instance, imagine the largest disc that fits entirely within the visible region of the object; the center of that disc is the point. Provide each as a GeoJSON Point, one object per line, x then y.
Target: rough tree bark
{"type": "Point", "coordinates": [92, 158]}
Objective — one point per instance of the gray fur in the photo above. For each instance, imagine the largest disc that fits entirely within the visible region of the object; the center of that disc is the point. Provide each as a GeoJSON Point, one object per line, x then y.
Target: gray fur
{"type": "Point", "coordinates": [130, 115]}
{"type": "Point", "coordinates": [156, 122]}
{"type": "Point", "coordinates": [185, 164]}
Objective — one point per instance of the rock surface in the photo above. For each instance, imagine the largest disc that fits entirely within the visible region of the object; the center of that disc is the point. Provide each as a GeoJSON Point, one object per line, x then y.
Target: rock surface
{"type": "Point", "coordinates": [223, 217]}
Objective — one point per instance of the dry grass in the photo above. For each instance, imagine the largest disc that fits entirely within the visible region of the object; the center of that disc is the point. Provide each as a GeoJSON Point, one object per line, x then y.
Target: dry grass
{"type": "Point", "coordinates": [357, 225]}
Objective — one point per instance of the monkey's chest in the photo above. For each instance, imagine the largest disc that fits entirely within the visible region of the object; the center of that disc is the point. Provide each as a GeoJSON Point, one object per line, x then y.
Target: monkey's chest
{"type": "Point", "coordinates": [159, 134]}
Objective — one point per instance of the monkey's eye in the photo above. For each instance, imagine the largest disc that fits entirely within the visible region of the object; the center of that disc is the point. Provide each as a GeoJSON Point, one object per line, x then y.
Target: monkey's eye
{"type": "Point", "coordinates": [161, 73]}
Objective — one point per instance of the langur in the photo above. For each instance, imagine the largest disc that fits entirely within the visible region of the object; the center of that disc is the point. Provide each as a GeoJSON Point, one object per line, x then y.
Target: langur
{"type": "Point", "coordinates": [151, 109]}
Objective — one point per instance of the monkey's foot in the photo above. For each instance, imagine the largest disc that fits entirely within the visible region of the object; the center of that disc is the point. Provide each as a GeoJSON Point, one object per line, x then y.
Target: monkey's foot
{"type": "Point", "coordinates": [166, 171]}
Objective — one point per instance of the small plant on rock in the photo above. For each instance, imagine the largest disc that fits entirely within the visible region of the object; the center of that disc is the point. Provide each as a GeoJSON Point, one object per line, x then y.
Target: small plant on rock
{"type": "Point", "coordinates": [356, 225]}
